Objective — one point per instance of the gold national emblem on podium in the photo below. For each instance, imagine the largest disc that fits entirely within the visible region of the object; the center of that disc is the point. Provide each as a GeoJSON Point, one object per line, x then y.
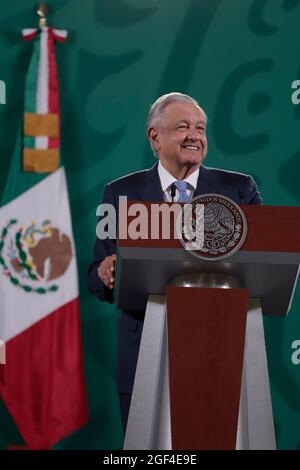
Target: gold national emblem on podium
{"type": "Point", "coordinates": [222, 223]}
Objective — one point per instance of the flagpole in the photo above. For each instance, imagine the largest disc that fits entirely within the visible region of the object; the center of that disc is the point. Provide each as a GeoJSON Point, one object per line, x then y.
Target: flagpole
{"type": "Point", "coordinates": [41, 12]}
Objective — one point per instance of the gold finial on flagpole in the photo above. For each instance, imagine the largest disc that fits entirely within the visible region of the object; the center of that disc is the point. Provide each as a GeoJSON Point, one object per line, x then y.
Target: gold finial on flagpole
{"type": "Point", "coordinates": [41, 11]}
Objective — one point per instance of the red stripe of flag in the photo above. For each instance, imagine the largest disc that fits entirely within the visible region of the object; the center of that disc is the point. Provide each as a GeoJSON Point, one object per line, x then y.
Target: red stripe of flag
{"type": "Point", "coordinates": [53, 96]}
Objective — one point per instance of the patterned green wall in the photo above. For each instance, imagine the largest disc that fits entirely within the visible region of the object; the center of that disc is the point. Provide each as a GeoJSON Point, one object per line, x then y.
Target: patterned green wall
{"type": "Point", "coordinates": [239, 59]}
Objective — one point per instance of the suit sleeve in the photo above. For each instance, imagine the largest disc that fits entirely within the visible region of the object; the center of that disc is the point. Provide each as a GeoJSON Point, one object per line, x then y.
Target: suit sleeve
{"type": "Point", "coordinates": [102, 248]}
{"type": "Point", "coordinates": [251, 193]}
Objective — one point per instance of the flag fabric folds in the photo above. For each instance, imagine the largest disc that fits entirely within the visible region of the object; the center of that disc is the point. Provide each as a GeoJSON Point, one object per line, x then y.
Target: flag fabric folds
{"type": "Point", "coordinates": [41, 117]}
{"type": "Point", "coordinates": [42, 382]}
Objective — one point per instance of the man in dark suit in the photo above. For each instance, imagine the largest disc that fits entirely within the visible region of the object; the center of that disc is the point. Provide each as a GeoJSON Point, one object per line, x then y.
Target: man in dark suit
{"type": "Point", "coordinates": [177, 135]}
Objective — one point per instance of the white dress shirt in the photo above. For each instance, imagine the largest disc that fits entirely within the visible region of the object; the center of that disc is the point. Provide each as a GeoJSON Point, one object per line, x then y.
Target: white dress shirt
{"type": "Point", "coordinates": [166, 181]}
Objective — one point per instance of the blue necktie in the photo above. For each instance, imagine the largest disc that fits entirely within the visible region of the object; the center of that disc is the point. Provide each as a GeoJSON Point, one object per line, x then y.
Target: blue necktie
{"type": "Point", "coordinates": [181, 186]}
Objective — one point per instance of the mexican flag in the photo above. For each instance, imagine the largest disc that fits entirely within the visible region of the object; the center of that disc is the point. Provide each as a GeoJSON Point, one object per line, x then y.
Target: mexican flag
{"type": "Point", "coordinates": [41, 383]}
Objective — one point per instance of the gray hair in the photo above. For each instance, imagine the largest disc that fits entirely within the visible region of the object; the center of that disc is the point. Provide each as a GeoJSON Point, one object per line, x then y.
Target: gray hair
{"type": "Point", "coordinates": [158, 107]}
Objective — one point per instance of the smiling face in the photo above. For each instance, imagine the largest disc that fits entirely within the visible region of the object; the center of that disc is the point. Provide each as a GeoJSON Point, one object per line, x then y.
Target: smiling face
{"type": "Point", "coordinates": [180, 139]}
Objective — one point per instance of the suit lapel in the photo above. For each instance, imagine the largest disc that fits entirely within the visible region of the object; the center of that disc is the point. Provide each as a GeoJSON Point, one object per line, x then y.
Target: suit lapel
{"type": "Point", "coordinates": [203, 184]}
{"type": "Point", "coordinates": [152, 190]}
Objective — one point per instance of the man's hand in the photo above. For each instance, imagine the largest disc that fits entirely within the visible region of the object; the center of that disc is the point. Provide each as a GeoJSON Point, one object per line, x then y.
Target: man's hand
{"type": "Point", "coordinates": [106, 271]}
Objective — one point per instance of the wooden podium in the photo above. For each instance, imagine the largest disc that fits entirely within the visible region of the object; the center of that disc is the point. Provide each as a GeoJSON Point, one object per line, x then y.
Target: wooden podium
{"type": "Point", "coordinates": [202, 376]}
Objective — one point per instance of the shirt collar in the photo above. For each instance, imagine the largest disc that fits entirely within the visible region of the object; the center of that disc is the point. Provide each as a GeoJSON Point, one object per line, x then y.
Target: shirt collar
{"type": "Point", "coordinates": [167, 179]}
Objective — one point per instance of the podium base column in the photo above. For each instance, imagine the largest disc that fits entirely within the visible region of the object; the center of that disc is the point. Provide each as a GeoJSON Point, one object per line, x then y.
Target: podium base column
{"type": "Point", "coordinates": [145, 415]}
{"type": "Point", "coordinates": [149, 423]}
{"type": "Point", "coordinates": [255, 423]}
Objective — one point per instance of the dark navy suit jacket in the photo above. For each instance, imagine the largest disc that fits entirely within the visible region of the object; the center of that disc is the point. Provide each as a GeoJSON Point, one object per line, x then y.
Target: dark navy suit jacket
{"type": "Point", "coordinates": [145, 186]}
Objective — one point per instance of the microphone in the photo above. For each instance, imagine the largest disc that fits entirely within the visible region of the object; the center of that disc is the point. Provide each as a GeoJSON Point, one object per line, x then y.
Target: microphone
{"type": "Point", "coordinates": [173, 191]}
{"type": "Point", "coordinates": [241, 196]}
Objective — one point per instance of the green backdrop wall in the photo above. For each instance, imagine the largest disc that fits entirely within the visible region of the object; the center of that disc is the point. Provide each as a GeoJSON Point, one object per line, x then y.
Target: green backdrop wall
{"type": "Point", "coordinates": [239, 59]}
